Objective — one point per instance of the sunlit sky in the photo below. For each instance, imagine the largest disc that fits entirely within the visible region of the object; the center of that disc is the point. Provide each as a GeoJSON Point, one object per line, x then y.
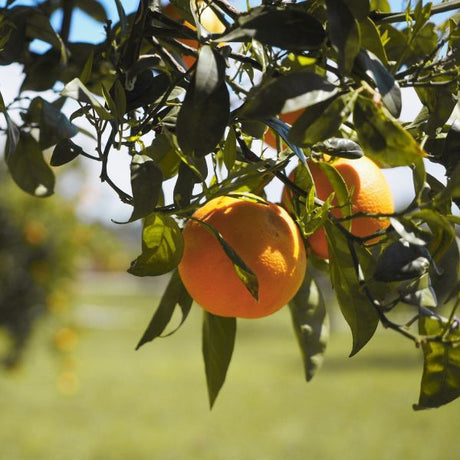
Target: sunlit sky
{"type": "Point", "coordinates": [98, 201]}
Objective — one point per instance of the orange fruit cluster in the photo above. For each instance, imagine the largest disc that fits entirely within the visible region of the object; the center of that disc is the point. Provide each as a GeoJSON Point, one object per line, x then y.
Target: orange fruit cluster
{"type": "Point", "coordinates": [208, 20]}
{"type": "Point", "coordinates": [264, 236]}
{"type": "Point", "coordinates": [371, 194]}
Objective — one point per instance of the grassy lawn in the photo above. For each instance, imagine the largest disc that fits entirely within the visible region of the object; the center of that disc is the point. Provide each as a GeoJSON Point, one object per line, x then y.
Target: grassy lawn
{"type": "Point", "coordinates": [152, 404]}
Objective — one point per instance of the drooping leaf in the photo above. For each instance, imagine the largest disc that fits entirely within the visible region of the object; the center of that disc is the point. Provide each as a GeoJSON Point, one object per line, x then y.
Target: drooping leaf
{"type": "Point", "coordinates": [282, 130]}
{"type": "Point", "coordinates": [287, 28]}
{"type": "Point", "coordinates": [64, 152]}
{"type": "Point", "coordinates": [93, 8]}
{"type": "Point", "coordinates": [354, 304]}
{"type": "Point", "coordinates": [287, 93]}
{"type": "Point", "coordinates": [388, 87]}
{"type": "Point", "coordinates": [205, 111]}
{"type": "Point", "coordinates": [229, 150]}
{"type": "Point", "coordinates": [28, 167]}
{"type": "Point", "coordinates": [244, 273]}
{"type": "Point", "coordinates": [12, 131]}
{"type": "Point", "coordinates": [218, 341]}
{"type": "Point", "coordinates": [382, 137]}
{"type": "Point", "coordinates": [146, 184]}
{"type": "Point", "coordinates": [162, 246]}
{"type": "Point", "coordinates": [311, 324]}
{"type": "Point", "coordinates": [441, 371]}
{"type": "Point", "coordinates": [359, 8]}
{"type": "Point", "coordinates": [420, 293]}
{"type": "Point", "coordinates": [344, 33]}
{"type": "Point", "coordinates": [189, 175]}
{"type": "Point", "coordinates": [307, 131]}
{"type": "Point", "coordinates": [449, 156]}
{"type": "Point", "coordinates": [174, 295]}
{"type": "Point", "coordinates": [371, 39]}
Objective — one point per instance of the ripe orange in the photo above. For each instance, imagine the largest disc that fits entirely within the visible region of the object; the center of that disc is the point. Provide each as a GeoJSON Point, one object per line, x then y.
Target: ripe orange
{"type": "Point", "coordinates": [264, 236]}
{"type": "Point", "coordinates": [207, 18]}
{"type": "Point", "coordinates": [290, 118]}
{"type": "Point", "coordinates": [371, 194]}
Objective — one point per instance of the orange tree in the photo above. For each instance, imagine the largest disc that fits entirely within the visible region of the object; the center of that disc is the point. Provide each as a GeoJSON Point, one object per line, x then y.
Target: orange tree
{"type": "Point", "coordinates": [340, 66]}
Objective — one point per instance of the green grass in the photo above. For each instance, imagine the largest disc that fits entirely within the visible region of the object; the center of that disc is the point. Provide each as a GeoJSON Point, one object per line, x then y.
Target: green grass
{"type": "Point", "coordinates": [152, 404]}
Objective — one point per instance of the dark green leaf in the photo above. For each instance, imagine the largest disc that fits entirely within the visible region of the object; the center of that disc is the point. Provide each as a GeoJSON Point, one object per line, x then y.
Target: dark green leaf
{"type": "Point", "coordinates": [354, 304]}
{"type": "Point", "coordinates": [146, 184]}
{"type": "Point", "coordinates": [441, 371]}
{"type": "Point", "coordinates": [12, 131]}
{"type": "Point", "coordinates": [340, 147]}
{"type": "Point", "coordinates": [64, 152]}
{"type": "Point", "coordinates": [282, 129]}
{"type": "Point", "coordinates": [287, 28]}
{"type": "Point", "coordinates": [229, 150]}
{"type": "Point", "coordinates": [311, 324]}
{"type": "Point", "coordinates": [287, 93]}
{"type": "Point", "coordinates": [28, 168]}
{"type": "Point", "coordinates": [307, 131]}
{"type": "Point", "coordinates": [146, 89]}
{"type": "Point", "coordinates": [382, 137]}
{"type": "Point", "coordinates": [205, 111]}
{"type": "Point", "coordinates": [244, 273]}
{"type": "Point", "coordinates": [388, 87]}
{"type": "Point", "coordinates": [402, 261]}
{"type": "Point", "coordinates": [449, 156]}
{"type": "Point", "coordinates": [189, 175]}
{"type": "Point", "coordinates": [54, 125]}
{"type": "Point", "coordinates": [218, 343]}
{"type": "Point", "coordinates": [162, 246]}
{"type": "Point", "coordinates": [359, 8]}
{"type": "Point", "coordinates": [174, 294]}
{"type": "Point", "coordinates": [344, 33]}
{"type": "Point", "coordinates": [93, 8]}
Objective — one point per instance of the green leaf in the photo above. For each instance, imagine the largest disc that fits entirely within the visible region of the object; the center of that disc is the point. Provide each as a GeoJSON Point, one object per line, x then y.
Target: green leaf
{"type": "Point", "coordinates": [371, 40]}
{"type": "Point", "coordinates": [54, 125]}
{"type": "Point", "coordinates": [229, 150]}
{"type": "Point", "coordinates": [12, 131]}
{"type": "Point", "coordinates": [420, 293]}
{"type": "Point", "coordinates": [340, 147]}
{"type": "Point", "coordinates": [28, 167]}
{"type": "Point", "coordinates": [93, 8]}
{"type": "Point", "coordinates": [64, 152]}
{"type": "Point", "coordinates": [311, 324]}
{"type": "Point", "coordinates": [402, 261]}
{"type": "Point", "coordinates": [307, 131]}
{"type": "Point", "coordinates": [218, 342]}
{"type": "Point", "coordinates": [287, 93]}
{"type": "Point", "coordinates": [388, 87]}
{"type": "Point", "coordinates": [162, 246]}
{"type": "Point", "coordinates": [441, 371]}
{"type": "Point", "coordinates": [289, 28]}
{"type": "Point", "coordinates": [359, 8]}
{"type": "Point", "coordinates": [382, 137]}
{"type": "Point", "coordinates": [205, 111]}
{"type": "Point", "coordinates": [189, 175]}
{"type": "Point", "coordinates": [344, 33]}
{"type": "Point", "coordinates": [174, 294]}
{"type": "Point", "coordinates": [354, 304]}
{"type": "Point", "coordinates": [244, 273]}
{"type": "Point", "coordinates": [146, 184]}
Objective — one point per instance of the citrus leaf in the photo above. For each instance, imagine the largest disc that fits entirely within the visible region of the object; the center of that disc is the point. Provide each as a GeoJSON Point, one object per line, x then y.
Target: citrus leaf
{"type": "Point", "coordinates": [286, 28]}
{"type": "Point", "coordinates": [93, 8]}
{"type": "Point", "coordinates": [344, 33]}
{"type": "Point", "coordinates": [420, 293]}
{"type": "Point", "coordinates": [189, 175]}
{"type": "Point", "coordinates": [382, 137]}
{"type": "Point", "coordinates": [359, 8]}
{"type": "Point", "coordinates": [28, 167]}
{"type": "Point", "coordinates": [441, 370]}
{"type": "Point", "coordinates": [218, 341]}
{"type": "Point", "coordinates": [340, 147]}
{"type": "Point", "coordinates": [64, 152]}
{"type": "Point", "coordinates": [354, 304]}
{"type": "Point", "coordinates": [388, 87]}
{"type": "Point", "coordinates": [146, 184]}
{"type": "Point", "coordinates": [287, 93]}
{"type": "Point", "coordinates": [311, 324]}
{"type": "Point", "coordinates": [371, 39]}
{"type": "Point", "coordinates": [282, 129]}
{"type": "Point", "coordinates": [244, 273]}
{"type": "Point", "coordinates": [307, 131]}
{"type": "Point", "coordinates": [174, 294]}
{"type": "Point", "coordinates": [12, 131]}
{"type": "Point", "coordinates": [205, 111]}
{"type": "Point", "coordinates": [229, 150]}
{"type": "Point", "coordinates": [402, 261]}
{"type": "Point", "coordinates": [162, 246]}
